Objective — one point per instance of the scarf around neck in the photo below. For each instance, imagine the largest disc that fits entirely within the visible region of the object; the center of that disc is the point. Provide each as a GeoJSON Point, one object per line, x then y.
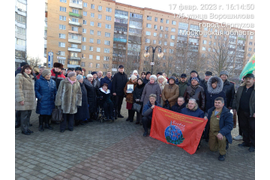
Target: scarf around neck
{"type": "Point", "coordinates": [72, 82]}
{"type": "Point", "coordinates": [193, 89]}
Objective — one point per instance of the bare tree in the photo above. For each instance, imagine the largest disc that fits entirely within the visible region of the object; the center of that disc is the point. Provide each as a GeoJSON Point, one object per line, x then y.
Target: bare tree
{"type": "Point", "coordinates": [34, 61]}
{"type": "Point", "coordinates": [221, 54]}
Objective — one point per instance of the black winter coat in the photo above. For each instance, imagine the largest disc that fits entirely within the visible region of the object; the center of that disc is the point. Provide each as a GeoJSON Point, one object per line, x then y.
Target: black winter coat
{"type": "Point", "coordinates": [228, 88]}
{"type": "Point", "coordinates": [203, 83]}
{"type": "Point", "coordinates": [177, 108]}
{"type": "Point", "coordinates": [118, 84]}
{"type": "Point", "coordinates": [108, 81]}
{"type": "Point", "coordinates": [83, 111]}
{"type": "Point", "coordinates": [104, 97]}
{"type": "Point", "coordinates": [145, 81]}
{"type": "Point", "coordinates": [91, 95]}
{"type": "Point", "coordinates": [137, 93]}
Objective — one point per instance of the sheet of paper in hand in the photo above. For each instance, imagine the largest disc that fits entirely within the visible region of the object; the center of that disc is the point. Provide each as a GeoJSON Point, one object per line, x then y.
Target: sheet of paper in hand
{"type": "Point", "coordinates": [130, 88]}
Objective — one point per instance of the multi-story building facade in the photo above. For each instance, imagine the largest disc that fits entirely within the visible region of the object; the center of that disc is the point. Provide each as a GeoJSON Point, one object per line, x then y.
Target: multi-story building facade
{"type": "Point", "coordinates": [20, 31]}
{"type": "Point", "coordinates": [102, 34]}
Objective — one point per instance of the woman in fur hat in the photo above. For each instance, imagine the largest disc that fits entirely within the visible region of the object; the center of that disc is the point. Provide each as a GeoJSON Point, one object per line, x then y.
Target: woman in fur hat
{"type": "Point", "coordinates": [214, 90]}
{"type": "Point", "coordinates": [69, 97]}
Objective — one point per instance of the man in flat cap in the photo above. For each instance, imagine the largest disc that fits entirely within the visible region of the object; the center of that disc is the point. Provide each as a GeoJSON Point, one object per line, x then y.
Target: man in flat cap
{"type": "Point", "coordinates": [244, 105]}
{"type": "Point", "coordinates": [183, 84]}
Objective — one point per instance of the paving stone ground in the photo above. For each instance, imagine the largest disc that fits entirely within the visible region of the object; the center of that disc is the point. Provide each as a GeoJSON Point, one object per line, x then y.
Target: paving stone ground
{"type": "Point", "coordinates": [119, 151]}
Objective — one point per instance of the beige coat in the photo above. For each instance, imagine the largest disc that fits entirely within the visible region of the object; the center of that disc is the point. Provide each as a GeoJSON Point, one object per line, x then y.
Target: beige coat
{"type": "Point", "coordinates": [25, 91]}
{"type": "Point", "coordinates": [69, 96]}
{"type": "Point", "coordinates": [170, 93]}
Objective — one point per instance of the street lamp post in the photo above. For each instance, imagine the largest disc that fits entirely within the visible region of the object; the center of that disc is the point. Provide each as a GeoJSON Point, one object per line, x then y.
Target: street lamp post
{"type": "Point", "coordinates": [147, 54]}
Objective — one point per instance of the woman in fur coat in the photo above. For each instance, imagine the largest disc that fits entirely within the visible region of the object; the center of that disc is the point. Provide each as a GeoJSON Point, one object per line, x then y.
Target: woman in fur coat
{"type": "Point", "coordinates": [162, 81]}
{"type": "Point", "coordinates": [69, 97]}
{"type": "Point", "coordinates": [25, 100]}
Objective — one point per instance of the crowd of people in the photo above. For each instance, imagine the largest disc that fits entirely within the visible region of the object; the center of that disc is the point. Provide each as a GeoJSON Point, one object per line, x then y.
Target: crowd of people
{"type": "Point", "coordinates": [81, 97]}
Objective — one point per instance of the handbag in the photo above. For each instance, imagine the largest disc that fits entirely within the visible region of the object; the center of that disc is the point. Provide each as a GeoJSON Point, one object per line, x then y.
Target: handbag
{"type": "Point", "coordinates": [57, 115]}
{"type": "Point", "coordinates": [136, 107]}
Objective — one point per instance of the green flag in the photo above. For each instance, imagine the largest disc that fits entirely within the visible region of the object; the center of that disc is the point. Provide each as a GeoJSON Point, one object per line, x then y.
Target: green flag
{"type": "Point", "coordinates": [249, 68]}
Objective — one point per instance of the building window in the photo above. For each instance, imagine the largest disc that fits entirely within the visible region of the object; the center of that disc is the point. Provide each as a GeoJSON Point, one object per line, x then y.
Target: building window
{"type": "Point", "coordinates": [147, 40]}
{"type": "Point", "coordinates": [98, 49]}
{"type": "Point", "coordinates": [250, 43]}
{"type": "Point", "coordinates": [108, 18]}
{"type": "Point", "coordinates": [156, 19]}
{"type": "Point", "coordinates": [97, 65]}
{"type": "Point", "coordinates": [85, 4]}
{"type": "Point", "coordinates": [173, 30]}
{"type": "Point", "coordinates": [98, 41]}
{"type": "Point", "coordinates": [99, 24]}
{"type": "Point", "coordinates": [74, 45]}
{"type": "Point", "coordinates": [100, 8]}
{"type": "Point", "coordinates": [167, 21]}
{"type": "Point", "coordinates": [63, 27]}
{"type": "Point", "coordinates": [62, 18]}
{"type": "Point", "coordinates": [209, 49]}
{"type": "Point", "coordinates": [203, 48]}
{"type": "Point", "coordinates": [149, 18]}
{"type": "Point", "coordinates": [171, 44]}
{"type": "Point", "coordinates": [249, 49]}
{"type": "Point", "coordinates": [91, 40]}
{"type": "Point", "coordinates": [148, 33]}
{"type": "Point", "coordinates": [166, 36]}
{"type": "Point", "coordinates": [205, 35]}
{"type": "Point", "coordinates": [161, 27]}
{"type": "Point", "coordinates": [84, 22]}
{"type": "Point", "coordinates": [90, 57]}
{"type": "Point", "coordinates": [92, 15]}
{"type": "Point", "coordinates": [205, 28]}
{"type": "Point", "coordinates": [161, 20]}
{"type": "Point", "coordinates": [22, 42]}
{"type": "Point", "coordinates": [159, 42]}
{"type": "Point", "coordinates": [172, 37]}
{"type": "Point", "coordinates": [84, 13]}
{"type": "Point", "coordinates": [108, 26]}
{"type": "Point", "coordinates": [99, 33]}
{"type": "Point", "coordinates": [165, 43]}
{"type": "Point", "coordinates": [109, 9]}
{"type": "Point", "coordinates": [107, 43]}
{"type": "Point", "coordinates": [76, 11]}
{"type": "Point", "coordinates": [84, 39]}
{"type": "Point", "coordinates": [106, 58]}
{"type": "Point", "coordinates": [210, 42]}
{"type": "Point", "coordinates": [99, 16]}
{"type": "Point", "coordinates": [97, 57]}
{"type": "Point", "coordinates": [210, 36]}
{"type": "Point", "coordinates": [74, 29]}
{"type": "Point", "coordinates": [164, 50]}
{"type": "Point", "coordinates": [160, 35]}
{"type": "Point", "coordinates": [166, 29]}
{"type": "Point", "coordinates": [148, 25]}
{"type": "Point", "coordinates": [62, 36]}
{"type": "Point", "coordinates": [84, 30]}
{"type": "Point", "coordinates": [92, 32]}
{"type": "Point", "coordinates": [251, 37]}
{"type": "Point", "coordinates": [171, 51]}
{"type": "Point", "coordinates": [92, 23]}
{"type": "Point", "coordinates": [204, 42]}
{"type": "Point", "coordinates": [174, 22]}
{"type": "Point", "coordinates": [155, 34]}
{"type": "Point", "coordinates": [63, 9]}
{"type": "Point", "coordinates": [107, 34]}
{"type": "Point", "coordinates": [64, 1]}
{"type": "Point", "coordinates": [106, 50]}
{"type": "Point", "coordinates": [91, 48]}
{"type": "Point", "coordinates": [83, 47]}
{"type": "Point", "coordinates": [92, 6]}
{"type": "Point", "coordinates": [154, 41]}
{"type": "Point", "coordinates": [61, 44]}
{"type": "Point", "coordinates": [83, 64]}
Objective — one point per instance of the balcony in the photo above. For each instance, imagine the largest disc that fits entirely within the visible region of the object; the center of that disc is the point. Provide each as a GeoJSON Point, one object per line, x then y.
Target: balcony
{"type": "Point", "coordinates": [79, 6]}
{"type": "Point", "coordinates": [74, 40]}
{"type": "Point", "coordinates": [20, 36]}
{"type": "Point", "coordinates": [74, 58]}
{"type": "Point", "coordinates": [74, 23]}
{"type": "Point", "coordinates": [73, 66]}
{"type": "Point", "coordinates": [75, 15]}
{"type": "Point", "coordinates": [20, 47]}
{"type": "Point", "coordinates": [74, 49]}
{"type": "Point", "coordinates": [120, 40]}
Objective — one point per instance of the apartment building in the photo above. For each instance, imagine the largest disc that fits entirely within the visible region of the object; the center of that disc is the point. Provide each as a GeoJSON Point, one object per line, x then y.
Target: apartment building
{"type": "Point", "coordinates": [102, 34]}
{"type": "Point", "coordinates": [20, 31]}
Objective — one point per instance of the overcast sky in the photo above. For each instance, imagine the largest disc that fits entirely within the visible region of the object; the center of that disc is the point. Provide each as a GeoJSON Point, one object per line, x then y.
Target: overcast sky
{"type": "Point", "coordinates": [36, 15]}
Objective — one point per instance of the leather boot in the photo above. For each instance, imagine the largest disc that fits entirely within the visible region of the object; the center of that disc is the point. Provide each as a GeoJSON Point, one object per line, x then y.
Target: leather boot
{"type": "Point", "coordinates": [47, 126]}
{"type": "Point", "coordinates": [41, 124]}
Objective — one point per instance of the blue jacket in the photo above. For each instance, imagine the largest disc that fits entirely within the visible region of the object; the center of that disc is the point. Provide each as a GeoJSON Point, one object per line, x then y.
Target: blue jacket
{"type": "Point", "coordinates": [108, 81]}
{"type": "Point", "coordinates": [177, 108]}
{"type": "Point", "coordinates": [225, 122]}
{"type": "Point", "coordinates": [147, 111]}
{"type": "Point", "coordinates": [45, 92]}
{"type": "Point", "coordinates": [196, 112]}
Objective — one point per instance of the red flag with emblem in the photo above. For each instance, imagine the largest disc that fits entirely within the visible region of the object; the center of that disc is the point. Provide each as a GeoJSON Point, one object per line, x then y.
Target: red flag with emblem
{"type": "Point", "coordinates": [177, 129]}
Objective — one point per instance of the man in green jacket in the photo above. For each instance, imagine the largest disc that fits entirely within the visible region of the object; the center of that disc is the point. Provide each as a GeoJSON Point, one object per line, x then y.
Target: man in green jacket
{"type": "Point", "coordinates": [183, 84]}
{"type": "Point", "coordinates": [244, 105]}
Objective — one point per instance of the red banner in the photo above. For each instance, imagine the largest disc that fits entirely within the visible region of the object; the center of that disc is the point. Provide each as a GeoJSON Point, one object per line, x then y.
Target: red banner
{"type": "Point", "coordinates": [177, 129]}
